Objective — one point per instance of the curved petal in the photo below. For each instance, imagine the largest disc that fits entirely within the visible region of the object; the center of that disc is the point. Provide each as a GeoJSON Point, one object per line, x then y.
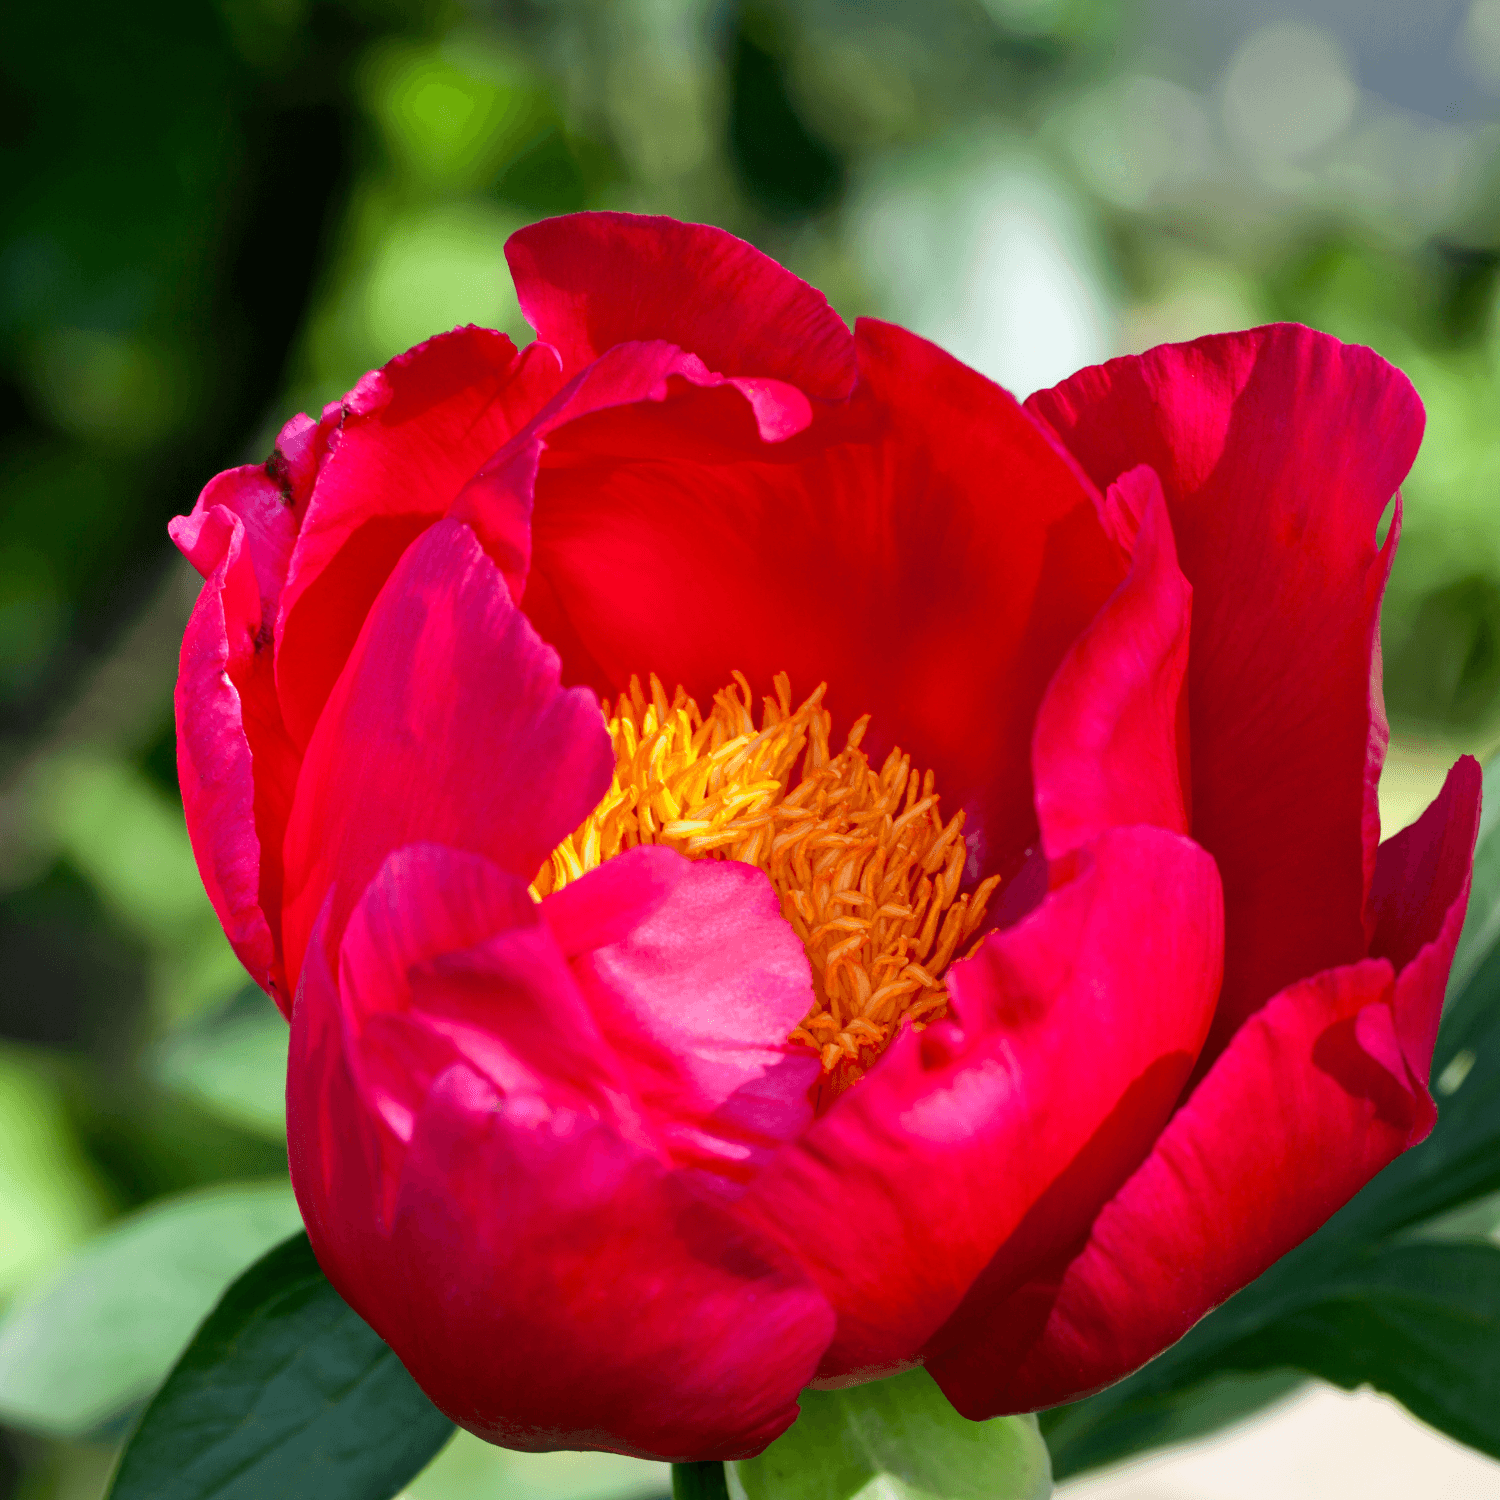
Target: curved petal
{"type": "Point", "coordinates": [270, 528]}
{"type": "Point", "coordinates": [1278, 450]}
{"type": "Point", "coordinates": [1079, 1026]}
{"type": "Point", "coordinates": [1418, 900]}
{"type": "Point", "coordinates": [408, 437]}
{"type": "Point", "coordinates": [626, 382]}
{"type": "Point", "coordinates": [236, 767]}
{"type": "Point", "coordinates": [696, 1002]}
{"type": "Point", "coordinates": [544, 1275]}
{"type": "Point", "coordinates": [654, 990]}
{"type": "Point", "coordinates": [590, 281]}
{"type": "Point", "coordinates": [340, 1174]}
{"type": "Point", "coordinates": [552, 1286]}
{"type": "Point", "coordinates": [927, 552]}
{"type": "Point", "coordinates": [1320, 1072]}
{"type": "Point", "coordinates": [1110, 736]}
{"type": "Point", "coordinates": [446, 958]}
{"type": "Point", "coordinates": [448, 725]}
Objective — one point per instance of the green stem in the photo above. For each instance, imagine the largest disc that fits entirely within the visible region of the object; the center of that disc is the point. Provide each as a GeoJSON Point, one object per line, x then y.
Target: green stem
{"type": "Point", "coordinates": [699, 1482]}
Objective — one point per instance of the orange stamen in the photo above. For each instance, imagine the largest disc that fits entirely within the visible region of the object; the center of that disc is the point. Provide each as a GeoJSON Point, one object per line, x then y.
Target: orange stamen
{"type": "Point", "coordinates": [867, 872]}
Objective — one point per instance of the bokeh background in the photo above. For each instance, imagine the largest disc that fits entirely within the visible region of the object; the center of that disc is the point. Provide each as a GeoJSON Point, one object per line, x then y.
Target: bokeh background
{"type": "Point", "coordinates": [217, 212]}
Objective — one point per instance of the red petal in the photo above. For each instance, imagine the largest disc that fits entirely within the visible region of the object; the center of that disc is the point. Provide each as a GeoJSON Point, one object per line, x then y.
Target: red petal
{"type": "Point", "coordinates": [696, 1001]}
{"type": "Point", "coordinates": [447, 726]}
{"type": "Point", "coordinates": [625, 383]}
{"type": "Point", "coordinates": [657, 991]}
{"type": "Point", "coordinates": [928, 554]}
{"type": "Point", "coordinates": [236, 767]}
{"type": "Point", "coordinates": [1278, 450]}
{"type": "Point", "coordinates": [545, 1277]}
{"type": "Point", "coordinates": [1298, 1113]}
{"type": "Point", "coordinates": [551, 1286]}
{"type": "Point", "coordinates": [253, 495]}
{"type": "Point", "coordinates": [590, 281]}
{"type": "Point", "coordinates": [410, 436]}
{"type": "Point", "coordinates": [1418, 900]}
{"type": "Point", "coordinates": [332, 1144]}
{"type": "Point", "coordinates": [1105, 750]}
{"type": "Point", "coordinates": [1080, 1025]}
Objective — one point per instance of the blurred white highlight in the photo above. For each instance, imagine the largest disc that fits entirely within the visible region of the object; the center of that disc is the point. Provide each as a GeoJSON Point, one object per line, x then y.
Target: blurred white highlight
{"type": "Point", "coordinates": [989, 255]}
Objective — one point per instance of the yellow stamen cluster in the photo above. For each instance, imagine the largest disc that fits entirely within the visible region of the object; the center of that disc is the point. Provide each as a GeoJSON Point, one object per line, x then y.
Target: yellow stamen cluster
{"type": "Point", "coordinates": [867, 871]}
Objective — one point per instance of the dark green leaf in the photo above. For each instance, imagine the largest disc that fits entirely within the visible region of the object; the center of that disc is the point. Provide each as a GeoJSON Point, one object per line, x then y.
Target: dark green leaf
{"type": "Point", "coordinates": [286, 1393]}
{"type": "Point", "coordinates": [98, 1337]}
{"type": "Point", "coordinates": [1418, 1321]}
{"type": "Point", "coordinates": [1089, 1434]}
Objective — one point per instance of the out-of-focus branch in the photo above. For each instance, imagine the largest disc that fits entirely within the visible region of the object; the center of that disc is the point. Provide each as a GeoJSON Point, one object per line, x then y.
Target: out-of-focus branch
{"type": "Point", "coordinates": [119, 706]}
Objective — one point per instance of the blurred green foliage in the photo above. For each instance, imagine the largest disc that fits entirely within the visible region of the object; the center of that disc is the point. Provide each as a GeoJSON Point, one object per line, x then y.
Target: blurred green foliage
{"type": "Point", "coordinates": [218, 213]}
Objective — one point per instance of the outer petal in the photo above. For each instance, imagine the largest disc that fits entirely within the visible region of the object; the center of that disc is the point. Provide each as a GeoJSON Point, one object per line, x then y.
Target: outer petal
{"type": "Point", "coordinates": [512, 1197]}
{"type": "Point", "coordinates": [215, 763]}
{"type": "Point", "coordinates": [1215, 1203]}
{"type": "Point", "coordinates": [1332, 1071]}
{"type": "Point", "coordinates": [1278, 449]}
{"type": "Point", "coordinates": [448, 725]}
{"type": "Point", "coordinates": [928, 553]}
{"type": "Point", "coordinates": [599, 1302]}
{"type": "Point", "coordinates": [237, 766]}
{"type": "Point", "coordinates": [1421, 889]}
{"type": "Point", "coordinates": [447, 959]}
{"type": "Point", "coordinates": [590, 281]}
{"type": "Point", "coordinates": [1080, 1025]}
{"type": "Point", "coordinates": [409, 437]}
{"type": "Point", "coordinates": [339, 1172]}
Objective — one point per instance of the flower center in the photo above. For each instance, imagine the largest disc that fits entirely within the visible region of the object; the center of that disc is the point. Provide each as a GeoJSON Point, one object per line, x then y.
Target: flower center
{"type": "Point", "coordinates": [866, 870]}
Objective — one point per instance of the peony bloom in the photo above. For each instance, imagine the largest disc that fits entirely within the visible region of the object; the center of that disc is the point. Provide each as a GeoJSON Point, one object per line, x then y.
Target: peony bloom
{"type": "Point", "coordinates": [783, 864]}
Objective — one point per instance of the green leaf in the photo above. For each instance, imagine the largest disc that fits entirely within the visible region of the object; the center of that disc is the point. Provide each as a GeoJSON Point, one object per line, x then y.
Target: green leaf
{"type": "Point", "coordinates": [899, 1439]}
{"type": "Point", "coordinates": [1419, 1321]}
{"type": "Point", "coordinates": [468, 1469]}
{"type": "Point", "coordinates": [233, 1064]}
{"type": "Point", "coordinates": [1090, 1434]}
{"type": "Point", "coordinates": [284, 1392]}
{"type": "Point", "coordinates": [699, 1482]}
{"type": "Point", "coordinates": [50, 1197]}
{"type": "Point", "coordinates": [100, 1335]}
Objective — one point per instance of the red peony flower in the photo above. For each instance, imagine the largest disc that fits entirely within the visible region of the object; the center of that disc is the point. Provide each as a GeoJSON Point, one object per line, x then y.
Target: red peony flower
{"type": "Point", "coordinates": [783, 863]}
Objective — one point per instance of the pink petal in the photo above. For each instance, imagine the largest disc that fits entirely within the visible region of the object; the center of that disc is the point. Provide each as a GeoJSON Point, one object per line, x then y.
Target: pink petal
{"type": "Point", "coordinates": [1079, 1026]}
{"type": "Point", "coordinates": [926, 552]}
{"type": "Point", "coordinates": [551, 1286]}
{"type": "Point", "coordinates": [447, 676]}
{"type": "Point", "coordinates": [1418, 900]}
{"type": "Point", "coordinates": [1278, 450]}
{"type": "Point", "coordinates": [1106, 748]}
{"type": "Point", "coordinates": [235, 765]}
{"type": "Point", "coordinates": [1297, 1114]}
{"type": "Point", "coordinates": [590, 281]}
{"type": "Point", "coordinates": [547, 1279]}
{"type": "Point", "coordinates": [696, 1003]}
{"type": "Point", "coordinates": [409, 437]}
{"type": "Point", "coordinates": [270, 530]}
